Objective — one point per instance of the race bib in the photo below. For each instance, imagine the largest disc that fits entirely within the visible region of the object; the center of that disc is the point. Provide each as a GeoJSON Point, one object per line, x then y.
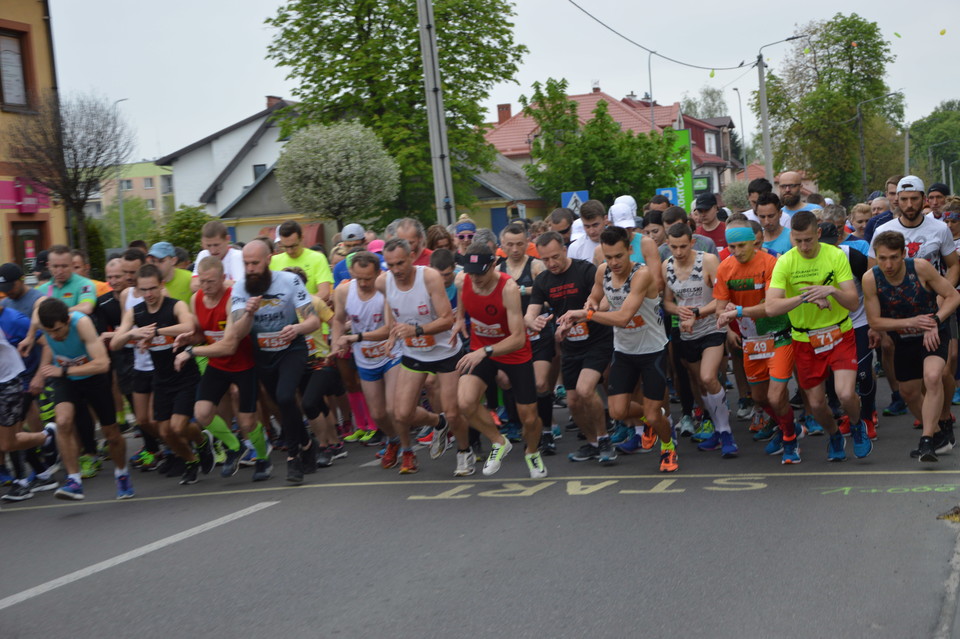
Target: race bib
{"type": "Point", "coordinates": [909, 333]}
{"type": "Point", "coordinates": [79, 360]}
{"type": "Point", "coordinates": [579, 332]}
{"type": "Point", "coordinates": [421, 342]}
{"type": "Point", "coordinates": [271, 342]}
{"type": "Point", "coordinates": [635, 323]}
{"type": "Point", "coordinates": [758, 347]}
{"type": "Point", "coordinates": [377, 351]}
{"type": "Point", "coordinates": [160, 343]}
{"type": "Point", "coordinates": [494, 331]}
{"type": "Point", "coordinates": [824, 339]}
{"type": "Point", "coordinates": [533, 335]}
{"type": "Point", "coordinates": [213, 336]}
{"type": "Point", "coordinates": [311, 346]}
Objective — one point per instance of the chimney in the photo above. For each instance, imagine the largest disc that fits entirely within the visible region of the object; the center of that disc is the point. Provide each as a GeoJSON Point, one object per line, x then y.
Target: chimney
{"type": "Point", "coordinates": [504, 112]}
{"type": "Point", "coordinates": [596, 86]}
{"type": "Point", "coordinates": [273, 100]}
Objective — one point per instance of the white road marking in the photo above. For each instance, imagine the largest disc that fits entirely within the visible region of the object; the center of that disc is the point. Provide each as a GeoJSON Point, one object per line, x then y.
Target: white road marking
{"type": "Point", "coordinates": [30, 593]}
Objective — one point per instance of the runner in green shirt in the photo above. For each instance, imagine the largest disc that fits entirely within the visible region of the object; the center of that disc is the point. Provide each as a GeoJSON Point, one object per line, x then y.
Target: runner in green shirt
{"type": "Point", "coordinates": [175, 280]}
{"type": "Point", "coordinates": [314, 264]}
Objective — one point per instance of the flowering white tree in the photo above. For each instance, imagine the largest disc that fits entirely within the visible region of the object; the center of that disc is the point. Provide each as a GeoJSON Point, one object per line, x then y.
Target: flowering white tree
{"type": "Point", "coordinates": [339, 172]}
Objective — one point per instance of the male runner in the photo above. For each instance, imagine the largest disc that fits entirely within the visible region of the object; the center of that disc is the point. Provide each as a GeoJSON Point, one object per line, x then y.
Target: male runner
{"type": "Point", "coordinates": [215, 241]}
{"type": "Point", "coordinates": [498, 343]}
{"type": "Point", "coordinates": [175, 280]}
{"type": "Point", "coordinates": [294, 253]}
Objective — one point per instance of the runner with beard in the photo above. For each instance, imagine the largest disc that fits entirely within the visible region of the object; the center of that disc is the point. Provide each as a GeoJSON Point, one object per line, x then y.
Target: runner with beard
{"type": "Point", "coordinates": [275, 309]}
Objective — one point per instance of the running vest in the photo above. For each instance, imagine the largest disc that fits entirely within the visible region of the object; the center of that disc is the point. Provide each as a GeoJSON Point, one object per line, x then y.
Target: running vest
{"type": "Point", "coordinates": [644, 333]}
{"type": "Point", "coordinates": [141, 358]}
{"type": "Point", "coordinates": [907, 299]}
{"type": "Point", "coordinates": [161, 346]}
{"type": "Point", "coordinates": [366, 316]}
{"type": "Point", "coordinates": [694, 292]}
{"type": "Point", "coordinates": [71, 351]}
{"type": "Point", "coordinates": [212, 322]}
{"type": "Point", "coordinates": [489, 320]}
{"type": "Point", "coordinates": [415, 307]}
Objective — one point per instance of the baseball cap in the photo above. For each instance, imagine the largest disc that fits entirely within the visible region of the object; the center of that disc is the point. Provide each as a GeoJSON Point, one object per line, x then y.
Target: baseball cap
{"type": "Point", "coordinates": [621, 215]}
{"type": "Point", "coordinates": [375, 246]}
{"type": "Point", "coordinates": [476, 263]}
{"type": "Point", "coordinates": [939, 187]}
{"type": "Point", "coordinates": [910, 183]}
{"type": "Point", "coordinates": [161, 250]}
{"type": "Point", "coordinates": [9, 274]}
{"type": "Point", "coordinates": [629, 201]}
{"type": "Point", "coordinates": [352, 233]}
{"type": "Point", "coordinates": [705, 201]}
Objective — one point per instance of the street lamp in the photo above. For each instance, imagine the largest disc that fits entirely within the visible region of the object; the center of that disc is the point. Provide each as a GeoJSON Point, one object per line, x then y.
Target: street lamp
{"type": "Point", "coordinates": [123, 222]}
{"type": "Point", "coordinates": [863, 153]}
{"type": "Point", "coordinates": [767, 152]}
{"type": "Point", "coordinates": [743, 134]}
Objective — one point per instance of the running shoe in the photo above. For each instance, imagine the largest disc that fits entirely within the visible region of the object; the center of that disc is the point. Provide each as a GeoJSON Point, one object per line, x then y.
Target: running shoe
{"type": "Point", "coordinates": [757, 420]}
{"type": "Point", "coordinates": [687, 427]}
{"type": "Point", "coordinates": [939, 440]}
{"type": "Point", "coordinates": [744, 408]}
{"type": "Point", "coordinates": [703, 431]}
{"type": "Point", "coordinates": [190, 474]}
{"type": "Point", "coordinates": [710, 443]}
{"type": "Point", "coordinates": [649, 439]}
{"type": "Point", "coordinates": [513, 432]}
{"type": "Point", "coordinates": [322, 459]}
{"type": "Point", "coordinates": [136, 460]}
{"type": "Point", "coordinates": [88, 467]}
{"type": "Point", "coordinates": [380, 453]}
{"type": "Point", "coordinates": [356, 436]}
{"type": "Point", "coordinates": [632, 446]}
{"type": "Point", "coordinates": [368, 435]}
{"type": "Point", "coordinates": [872, 427]}
{"type": "Point", "coordinates": [775, 445]}
{"type": "Point", "coordinates": [409, 464]}
{"type": "Point", "coordinates": [310, 457]}
{"type": "Point", "coordinates": [219, 452]}
{"type": "Point", "coordinates": [124, 487]}
{"type": "Point", "coordinates": [294, 470]}
{"type": "Point", "coordinates": [728, 447]}
{"type": "Point", "coordinates": [791, 452]}
{"type": "Point", "coordinates": [535, 465]}
{"type": "Point", "coordinates": [621, 432]}
{"type": "Point", "coordinates": [606, 453]}
{"type": "Point", "coordinates": [917, 425]}
{"type": "Point", "coordinates": [548, 443]}
{"type": "Point", "coordinates": [557, 432]}
{"type": "Point", "coordinates": [813, 427]}
{"type": "Point", "coordinates": [377, 438]}
{"type": "Point", "coordinates": [844, 425]}
{"type": "Point", "coordinates": [438, 446]}
{"type": "Point", "coordinates": [586, 452]}
{"type": "Point", "coordinates": [668, 461]}
{"type": "Point", "coordinates": [949, 439]}
{"type": "Point", "coordinates": [897, 406]}
{"type": "Point", "coordinates": [205, 453]}
{"type": "Point", "coordinates": [70, 490]}
{"type": "Point", "coordinates": [426, 439]}
{"type": "Point", "coordinates": [390, 457]}
{"type": "Point", "coordinates": [495, 458]}
{"type": "Point", "coordinates": [337, 451]}
{"type": "Point", "coordinates": [926, 452]}
{"type": "Point", "coordinates": [560, 396]}
{"type": "Point", "coordinates": [796, 401]}
{"type": "Point", "coordinates": [39, 485]}
{"type": "Point", "coordinates": [466, 464]}
{"type": "Point", "coordinates": [231, 462]}
{"type": "Point", "coordinates": [956, 397]}
{"type": "Point", "coordinates": [862, 446]}
{"type": "Point", "coordinates": [767, 432]}
{"type": "Point", "coordinates": [262, 470]}
{"type": "Point", "coordinates": [249, 458]}
{"type": "Point", "coordinates": [835, 446]}
{"type": "Point", "coordinates": [18, 492]}
{"type": "Point", "coordinates": [149, 461]}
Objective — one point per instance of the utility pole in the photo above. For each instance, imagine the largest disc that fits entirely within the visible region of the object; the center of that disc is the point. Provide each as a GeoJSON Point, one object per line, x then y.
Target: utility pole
{"type": "Point", "coordinates": [436, 116]}
{"type": "Point", "coordinates": [764, 116]}
{"type": "Point", "coordinates": [743, 134]}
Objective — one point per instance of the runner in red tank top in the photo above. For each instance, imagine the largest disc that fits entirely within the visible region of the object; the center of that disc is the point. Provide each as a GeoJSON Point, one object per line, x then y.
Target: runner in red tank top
{"type": "Point", "coordinates": [498, 342]}
{"type": "Point", "coordinates": [230, 364]}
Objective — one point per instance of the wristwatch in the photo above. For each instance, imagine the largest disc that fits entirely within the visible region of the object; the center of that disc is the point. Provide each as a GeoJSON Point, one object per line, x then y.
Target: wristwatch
{"type": "Point", "coordinates": [189, 351]}
{"type": "Point", "coordinates": [696, 312]}
{"type": "Point", "coordinates": [419, 330]}
{"type": "Point", "coordinates": [488, 350]}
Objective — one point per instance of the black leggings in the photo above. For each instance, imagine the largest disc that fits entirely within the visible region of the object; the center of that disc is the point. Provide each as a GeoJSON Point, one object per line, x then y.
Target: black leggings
{"type": "Point", "coordinates": [281, 381]}
{"type": "Point", "coordinates": [314, 386]}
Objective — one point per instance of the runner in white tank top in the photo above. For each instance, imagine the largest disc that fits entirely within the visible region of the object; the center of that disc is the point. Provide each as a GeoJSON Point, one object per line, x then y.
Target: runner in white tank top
{"type": "Point", "coordinates": [365, 317]}
{"type": "Point", "coordinates": [415, 307]}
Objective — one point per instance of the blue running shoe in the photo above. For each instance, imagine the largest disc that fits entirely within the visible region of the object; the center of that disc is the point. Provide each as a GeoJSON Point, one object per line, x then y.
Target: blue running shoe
{"type": "Point", "coordinates": [621, 432]}
{"type": "Point", "coordinates": [768, 431]}
{"type": "Point", "coordinates": [728, 447]}
{"type": "Point", "coordinates": [632, 446]}
{"type": "Point", "coordinates": [124, 487]}
{"type": "Point", "coordinates": [5, 477]}
{"type": "Point", "coordinates": [70, 490]}
{"type": "Point", "coordinates": [791, 452]}
{"type": "Point", "coordinates": [897, 406]}
{"type": "Point", "coordinates": [861, 443]}
{"type": "Point", "coordinates": [775, 445]}
{"type": "Point", "coordinates": [710, 443]}
{"type": "Point", "coordinates": [703, 431]}
{"type": "Point", "coordinates": [956, 397]}
{"type": "Point", "coordinates": [835, 448]}
{"type": "Point", "coordinates": [814, 429]}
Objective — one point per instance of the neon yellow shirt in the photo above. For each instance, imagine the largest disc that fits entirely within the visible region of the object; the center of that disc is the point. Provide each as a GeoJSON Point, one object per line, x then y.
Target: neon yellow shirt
{"type": "Point", "coordinates": [314, 264]}
{"type": "Point", "coordinates": [179, 286]}
{"type": "Point", "coordinates": [794, 272]}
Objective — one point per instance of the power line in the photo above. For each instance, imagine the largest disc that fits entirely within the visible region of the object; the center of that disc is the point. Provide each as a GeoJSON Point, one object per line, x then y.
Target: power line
{"type": "Point", "coordinates": [647, 49]}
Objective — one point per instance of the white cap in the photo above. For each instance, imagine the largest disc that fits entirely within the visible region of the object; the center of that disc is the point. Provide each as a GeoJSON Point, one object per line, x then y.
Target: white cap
{"type": "Point", "coordinates": [621, 215]}
{"type": "Point", "coordinates": [576, 230]}
{"type": "Point", "coordinates": [828, 200]}
{"type": "Point", "coordinates": [910, 183]}
{"type": "Point", "coordinates": [629, 201]}
{"type": "Point", "coordinates": [352, 232]}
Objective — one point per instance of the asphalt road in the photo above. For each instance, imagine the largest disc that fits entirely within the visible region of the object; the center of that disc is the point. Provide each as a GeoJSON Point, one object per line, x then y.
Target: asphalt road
{"type": "Point", "coordinates": [724, 548]}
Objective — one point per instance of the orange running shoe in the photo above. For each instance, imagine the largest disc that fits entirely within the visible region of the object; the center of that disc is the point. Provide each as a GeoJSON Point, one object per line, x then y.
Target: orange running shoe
{"type": "Point", "coordinates": [409, 464]}
{"type": "Point", "coordinates": [757, 421]}
{"type": "Point", "coordinates": [389, 459]}
{"type": "Point", "coordinates": [668, 461]}
{"type": "Point", "coordinates": [648, 438]}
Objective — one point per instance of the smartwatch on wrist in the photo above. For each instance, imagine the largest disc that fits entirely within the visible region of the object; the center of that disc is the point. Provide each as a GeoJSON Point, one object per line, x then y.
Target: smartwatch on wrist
{"type": "Point", "coordinates": [419, 330]}
{"type": "Point", "coordinates": [189, 351]}
{"type": "Point", "coordinates": [64, 370]}
{"type": "Point", "coordinates": [488, 350]}
{"type": "Point", "coordinates": [360, 337]}
{"type": "Point", "coordinates": [696, 312]}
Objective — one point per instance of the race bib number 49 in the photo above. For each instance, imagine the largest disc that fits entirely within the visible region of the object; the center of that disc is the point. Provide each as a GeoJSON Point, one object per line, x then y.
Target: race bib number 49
{"type": "Point", "coordinates": [758, 347]}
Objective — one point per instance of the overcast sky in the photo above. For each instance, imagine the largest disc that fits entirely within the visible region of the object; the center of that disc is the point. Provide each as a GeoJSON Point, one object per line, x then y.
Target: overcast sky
{"type": "Point", "coordinates": [191, 67]}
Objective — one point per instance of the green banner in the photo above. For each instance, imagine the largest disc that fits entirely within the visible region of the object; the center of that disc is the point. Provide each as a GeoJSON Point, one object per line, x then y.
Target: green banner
{"type": "Point", "coordinates": [681, 140]}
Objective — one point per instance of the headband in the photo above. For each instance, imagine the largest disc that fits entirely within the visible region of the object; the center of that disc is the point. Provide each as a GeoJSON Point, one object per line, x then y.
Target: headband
{"type": "Point", "coordinates": [466, 226]}
{"type": "Point", "coordinates": [740, 234]}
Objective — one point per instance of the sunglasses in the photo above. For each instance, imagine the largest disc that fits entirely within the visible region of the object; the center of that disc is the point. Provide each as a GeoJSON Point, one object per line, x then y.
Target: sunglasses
{"type": "Point", "coordinates": [465, 236]}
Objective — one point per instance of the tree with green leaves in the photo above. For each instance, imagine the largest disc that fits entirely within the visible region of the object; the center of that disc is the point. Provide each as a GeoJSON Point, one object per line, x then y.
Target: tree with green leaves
{"type": "Point", "coordinates": [338, 172]}
{"type": "Point", "coordinates": [940, 128]}
{"type": "Point", "coordinates": [599, 156]}
{"type": "Point", "coordinates": [813, 98]}
{"type": "Point", "coordinates": [709, 104]}
{"type": "Point", "coordinates": [138, 220]}
{"type": "Point", "coordinates": [183, 228]}
{"type": "Point", "coordinates": [361, 60]}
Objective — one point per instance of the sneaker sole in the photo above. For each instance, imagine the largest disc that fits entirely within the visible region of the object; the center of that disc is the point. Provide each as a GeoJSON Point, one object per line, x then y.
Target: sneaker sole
{"type": "Point", "coordinates": [928, 459]}
{"type": "Point", "coordinates": [68, 496]}
{"type": "Point", "coordinates": [15, 499]}
{"type": "Point", "coordinates": [126, 496]}
{"type": "Point", "coordinates": [43, 489]}
{"type": "Point", "coordinates": [789, 462]}
{"type": "Point", "coordinates": [464, 473]}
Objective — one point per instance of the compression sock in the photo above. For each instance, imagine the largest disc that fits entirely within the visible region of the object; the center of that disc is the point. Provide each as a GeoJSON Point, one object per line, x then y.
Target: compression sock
{"type": "Point", "coordinates": [787, 427]}
{"type": "Point", "coordinates": [219, 429]}
{"type": "Point", "coordinates": [718, 410]}
{"type": "Point", "coordinates": [666, 446]}
{"type": "Point", "coordinates": [361, 418]}
{"type": "Point", "coordinates": [259, 442]}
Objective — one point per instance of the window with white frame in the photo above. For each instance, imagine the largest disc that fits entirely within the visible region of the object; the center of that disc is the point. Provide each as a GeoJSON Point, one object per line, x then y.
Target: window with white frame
{"type": "Point", "coordinates": [148, 182]}
{"type": "Point", "coordinates": [13, 84]}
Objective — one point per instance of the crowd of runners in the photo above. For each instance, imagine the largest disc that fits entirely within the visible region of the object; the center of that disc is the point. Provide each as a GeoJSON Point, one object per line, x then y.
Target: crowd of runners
{"type": "Point", "coordinates": [454, 338]}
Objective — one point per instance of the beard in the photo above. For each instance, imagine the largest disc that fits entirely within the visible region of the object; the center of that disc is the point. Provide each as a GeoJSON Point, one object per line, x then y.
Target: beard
{"type": "Point", "coordinates": [257, 283]}
{"type": "Point", "coordinates": [791, 201]}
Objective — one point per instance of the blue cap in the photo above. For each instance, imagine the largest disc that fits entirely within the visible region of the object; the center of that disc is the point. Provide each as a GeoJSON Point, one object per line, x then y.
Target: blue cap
{"type": "Point", "coordinates": [161, 250]}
